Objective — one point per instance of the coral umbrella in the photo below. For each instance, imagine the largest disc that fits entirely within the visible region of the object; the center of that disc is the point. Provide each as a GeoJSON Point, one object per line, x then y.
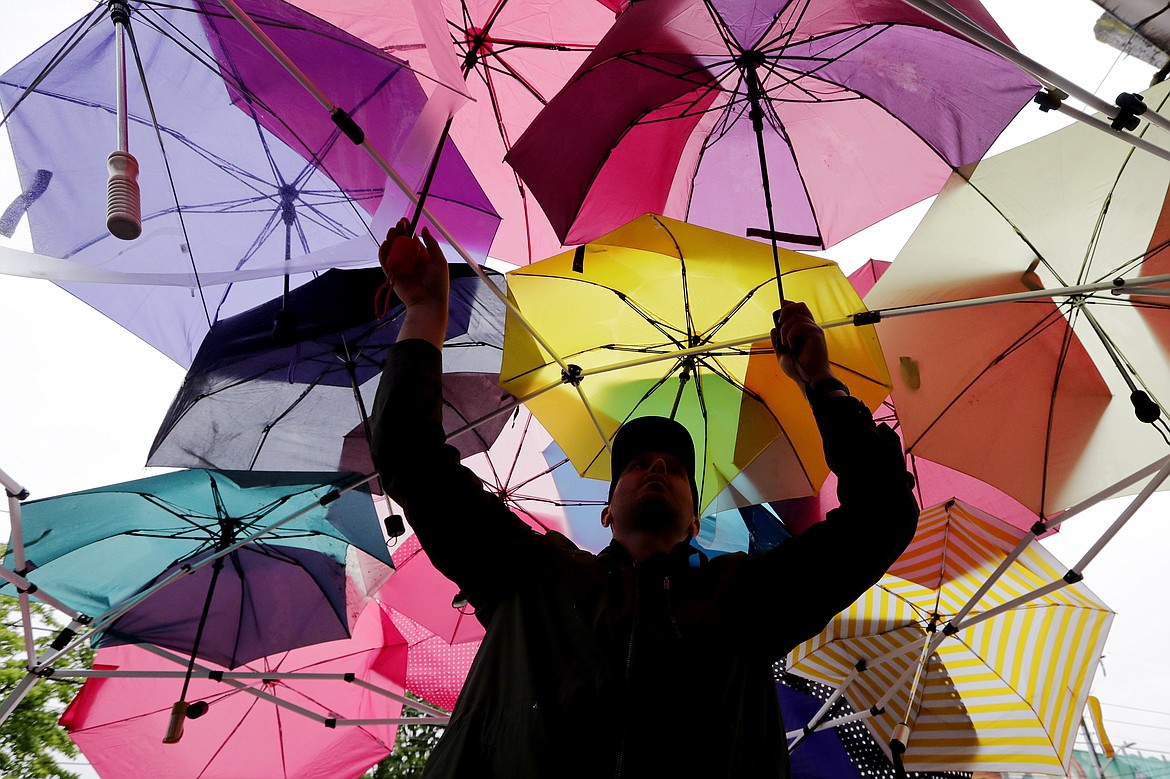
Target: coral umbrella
{"type": "Point", "coordinates": [1037, 394]}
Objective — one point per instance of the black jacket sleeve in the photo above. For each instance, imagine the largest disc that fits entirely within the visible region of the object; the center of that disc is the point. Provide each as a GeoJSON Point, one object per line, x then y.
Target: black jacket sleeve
{"type": "Point", "coordinates": [470, 535]}
{"type": "Point", "coordinates": [819, 573]}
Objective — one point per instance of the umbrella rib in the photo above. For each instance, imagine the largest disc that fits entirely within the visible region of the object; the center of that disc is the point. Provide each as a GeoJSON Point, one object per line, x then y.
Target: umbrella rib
{"type": "Point", "coordinates": [268, 427]}
{"type": "Point", "coordinates": [721, 28]}
{"type": "Point", "coordinates": [95, 17]}
{"type": "Point", "coordinates": [519, 448]}
{"type": "Point", "coordinates": [792, 26]}
{"type": "Point", "coordinates": [643, 59]}
{"type": "Point", "coordinates": [233, 731]}
{"type": "Point", "coordinates": [315, 163]}
{"type": "Point", "coordinates": [1124, 365]}
{"type": "Point", "coordinates": [505, 69]}
{"type": "Point", "coordinates": [685, 286]}
{"type": "Point", "coordinates": [167, 165]}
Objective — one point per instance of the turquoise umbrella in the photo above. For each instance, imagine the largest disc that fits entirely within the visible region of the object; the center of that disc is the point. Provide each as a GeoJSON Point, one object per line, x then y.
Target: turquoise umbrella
{"type": "Point", "coordinates": [228, 566]}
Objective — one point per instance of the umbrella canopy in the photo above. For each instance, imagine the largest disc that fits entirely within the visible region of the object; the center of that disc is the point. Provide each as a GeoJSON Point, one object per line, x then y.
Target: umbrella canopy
{"type": "Point", "coordinates": [281, 386]}
{"type": "Point", "coordinates": [510, 57]}
{"type": "Point", "coordinates": [1002, 693]}
{"type": "Point", "coordinates": [521, 468]}
{"type": "Point", "coordinates": [621, 314]}
{"type": "Point", "coordinates": [118, 722]}
{"type": "Point", "coordinates": [1045, 384]}
{"type": "Point", "coordinates": [245, 173]}
{"type": "Point", "coordinates": [852, 111]}
{"type": "Point", "coordinates": [101, 551]}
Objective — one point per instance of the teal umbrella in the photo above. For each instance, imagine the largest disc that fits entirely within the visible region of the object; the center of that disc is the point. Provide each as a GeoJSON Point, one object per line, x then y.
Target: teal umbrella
{"type": "Point", "coordinates": [228, 566]}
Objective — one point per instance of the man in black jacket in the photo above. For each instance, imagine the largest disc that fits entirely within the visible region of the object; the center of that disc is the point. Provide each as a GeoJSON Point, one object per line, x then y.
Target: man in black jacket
{"type": "Point", "coordinates": [647, 659]}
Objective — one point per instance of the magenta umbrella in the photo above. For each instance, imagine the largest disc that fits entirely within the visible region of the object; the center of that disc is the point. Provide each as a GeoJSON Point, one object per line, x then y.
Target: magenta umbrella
{"type": "Point", "coordinates": [844, 112]}
{"type": "Point", "coordinates": [509, 57]}
{"type": "Point", "coordinates": [119, 722]}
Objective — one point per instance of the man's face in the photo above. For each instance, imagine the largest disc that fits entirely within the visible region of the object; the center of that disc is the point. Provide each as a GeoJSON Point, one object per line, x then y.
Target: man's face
{"type": "Point", "coordinates": [653, 495]}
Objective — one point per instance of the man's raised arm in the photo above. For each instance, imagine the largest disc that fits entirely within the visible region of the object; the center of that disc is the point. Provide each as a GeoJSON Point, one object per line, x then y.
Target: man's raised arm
{"type": "Point", "coordinates": [469, 534]}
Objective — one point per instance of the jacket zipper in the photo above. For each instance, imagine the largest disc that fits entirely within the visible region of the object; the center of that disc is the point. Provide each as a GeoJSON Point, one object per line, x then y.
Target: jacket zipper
{"type": "Point", "coordinates": [670, 607]}
{"type": "Point", "coordinates": [617, 772]}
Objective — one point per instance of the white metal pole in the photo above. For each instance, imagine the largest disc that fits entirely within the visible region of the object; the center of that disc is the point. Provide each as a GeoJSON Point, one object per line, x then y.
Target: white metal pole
{"type": "Point", "coordinates": [964, 26]}
{"type": "Point", "coordinates": [9, 704]}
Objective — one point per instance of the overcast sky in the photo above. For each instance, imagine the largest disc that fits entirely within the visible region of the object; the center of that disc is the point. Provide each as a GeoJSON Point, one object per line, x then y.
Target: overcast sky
{"type": "Point", "coordinates": [80, 398]}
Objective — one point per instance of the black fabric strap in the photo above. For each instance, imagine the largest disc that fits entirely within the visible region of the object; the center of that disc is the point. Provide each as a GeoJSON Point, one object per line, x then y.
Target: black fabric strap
{"type": "Point", "coordinates": [823, 387]}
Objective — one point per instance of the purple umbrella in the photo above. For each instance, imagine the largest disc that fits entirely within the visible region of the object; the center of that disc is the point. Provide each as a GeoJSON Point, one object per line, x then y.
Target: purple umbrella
{"type": "Point", "coordinates": [241, 173]}
{"type": "Point", "coordinates": [850, 111]}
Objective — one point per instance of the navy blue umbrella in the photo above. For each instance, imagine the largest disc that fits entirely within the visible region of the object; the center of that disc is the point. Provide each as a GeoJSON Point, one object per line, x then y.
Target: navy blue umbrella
{"type": "Point", "coordinates": [288, 384]}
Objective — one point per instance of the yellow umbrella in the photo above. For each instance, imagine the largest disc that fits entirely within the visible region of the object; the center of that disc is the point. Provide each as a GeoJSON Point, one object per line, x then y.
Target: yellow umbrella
{"type": "Point", "coordinates": [966, 669]}
{"type": "Point", "coordinates": [662, 317]}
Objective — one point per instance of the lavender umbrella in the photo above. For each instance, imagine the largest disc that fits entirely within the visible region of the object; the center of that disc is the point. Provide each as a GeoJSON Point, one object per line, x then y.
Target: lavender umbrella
{"type": "Point", "coordinates": [240, 170]}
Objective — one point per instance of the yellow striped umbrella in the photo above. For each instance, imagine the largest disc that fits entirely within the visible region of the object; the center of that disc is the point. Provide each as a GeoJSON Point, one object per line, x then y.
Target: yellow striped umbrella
{"type": "Point", "coordinates": [1002, 688]}
{"type": "Point", "coordinates": [662, 317]}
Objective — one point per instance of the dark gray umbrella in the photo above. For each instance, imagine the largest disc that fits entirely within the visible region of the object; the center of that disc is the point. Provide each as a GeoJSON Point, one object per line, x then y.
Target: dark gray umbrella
{"type": "Point", "coordinates": [279, 387]}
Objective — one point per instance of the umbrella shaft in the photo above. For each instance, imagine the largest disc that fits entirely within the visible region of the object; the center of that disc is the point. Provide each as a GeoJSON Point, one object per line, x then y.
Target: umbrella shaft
{"type": "Point", "coordinates": [216, 567]}
{"type": "Point", "coordinates": [757, 117]}
{"type": "Point", "coordinates": [120, 19]}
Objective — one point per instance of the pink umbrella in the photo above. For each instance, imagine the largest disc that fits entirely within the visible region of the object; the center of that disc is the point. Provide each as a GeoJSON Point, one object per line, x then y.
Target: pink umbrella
{"type": "Point", "coordinates": [510, 57]}
{"type": "Point", "coordinates": [534, 480]}
{"type": "Point", "coordinates": [435, 669]}
{"type": "Point", "coordinates": [419, 591]}
{"type": "Point", "coordinates": [119, 722]}
{"type": "Point", "coordinates": [850, 111]}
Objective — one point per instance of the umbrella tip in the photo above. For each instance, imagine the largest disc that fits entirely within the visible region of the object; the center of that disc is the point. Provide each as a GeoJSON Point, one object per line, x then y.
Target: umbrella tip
{"type": "Point", "coordinates": [179, 712]}
{"type": "Point", "coordinates": [175, 726]}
